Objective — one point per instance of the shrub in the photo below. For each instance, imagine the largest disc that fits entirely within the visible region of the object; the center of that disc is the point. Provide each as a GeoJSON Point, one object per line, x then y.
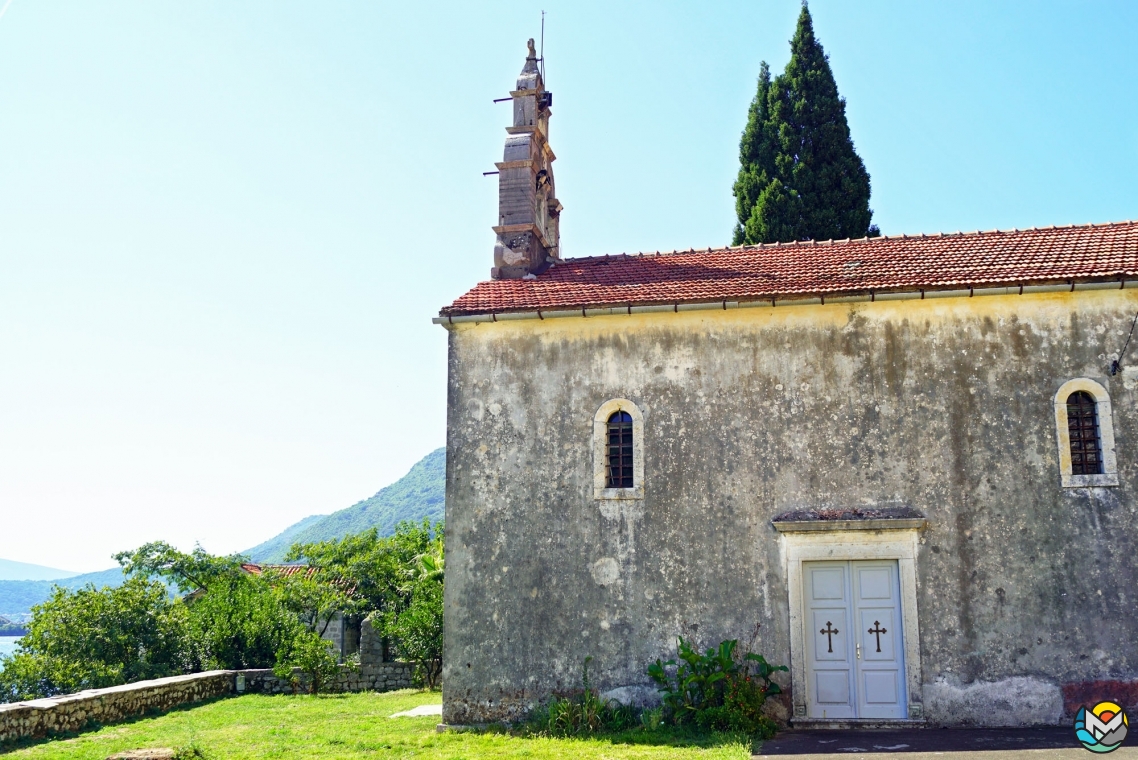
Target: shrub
{"type": "Point", "coordinates": [312, 656]}
{"type": "Point", "coordinates": [191, 751]}
{"type": "Point", "coordinates": [397, 580]}
{"type": "Point", "coordinates": [235, 620]}
{"type": "Point", "coordinates": [239, 623]}
{"type": "Point", "coordinates": [93, 638]}
{"type": "Point", "coordinates": [718, 690]}
{"type": "Point", "coordinates": [419, 630]}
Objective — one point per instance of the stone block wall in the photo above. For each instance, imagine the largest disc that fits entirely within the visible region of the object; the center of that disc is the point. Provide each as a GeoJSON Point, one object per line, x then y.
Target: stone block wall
{"type": "Point", "coordinates": [387, 676]}
{"type": "Point", "coordinates": [71, 712]}
{"type": "Point", "coordinates": [373, 650]}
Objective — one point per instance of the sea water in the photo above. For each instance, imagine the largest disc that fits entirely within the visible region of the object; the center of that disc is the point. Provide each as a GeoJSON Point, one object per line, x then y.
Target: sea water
{"type": "Point", "coordinates": [8, 644]}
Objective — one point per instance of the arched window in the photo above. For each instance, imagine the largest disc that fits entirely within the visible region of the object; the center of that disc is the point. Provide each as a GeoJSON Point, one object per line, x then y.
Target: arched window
{"type": "Point", "coordinates": [620, 451]}
{"type": "Point", "coordinates": [1082, 426]}
{"type": "Point", "coordinates": [1084, 430]}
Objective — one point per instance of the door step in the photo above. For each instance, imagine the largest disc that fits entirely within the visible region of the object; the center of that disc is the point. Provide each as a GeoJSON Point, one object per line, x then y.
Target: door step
{"type": "Point", "coordinates": [848, 723]}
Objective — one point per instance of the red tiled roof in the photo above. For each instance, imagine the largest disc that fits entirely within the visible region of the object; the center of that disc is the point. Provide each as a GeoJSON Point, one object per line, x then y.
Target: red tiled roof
{"type": "Point", "coordinates": [792, 270]}
{"type": "Point", "coordinates": [287, 571]}
{"type": "Point", "coordinates": [254, 568]}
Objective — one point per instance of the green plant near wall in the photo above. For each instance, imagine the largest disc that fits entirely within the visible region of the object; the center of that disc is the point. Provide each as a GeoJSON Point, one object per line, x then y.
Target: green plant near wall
{"type": "Point", "coordinates": [717, 690]}
{"type": "Point", "coordinates": [311, 655]}
{"type": "Point", "coordinates": [584, 713]}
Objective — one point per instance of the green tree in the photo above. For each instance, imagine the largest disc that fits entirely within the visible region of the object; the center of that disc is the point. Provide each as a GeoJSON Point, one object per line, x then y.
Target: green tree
{"type": "Point", "coordinates": [800, 177]}
{"type": "Point", "coordinates": [756, 156]}
{"type": "Point", "coordinates": [235, 620]}
{"type": "Point", "coordinates": [239, 622]}
{"type": "Point", "coordinates": [192, 572]}
{"type": "Point", "coordinates": [315, 596]}
{"type": "Point", "coordinates": [379, 570]}
{"type": "Point", "coordinates": [311, 655]}
{"type": "Point", "coordinates": [398, 580]}
{"type": "Point", "coordinates": [92, 638]}
{"type": "Point", "coordinates": [418, 629]}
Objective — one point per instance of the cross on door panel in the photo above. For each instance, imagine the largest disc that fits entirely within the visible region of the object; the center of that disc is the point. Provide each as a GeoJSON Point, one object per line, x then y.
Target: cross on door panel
{"type": "Point", "coordinates": [854, 658]}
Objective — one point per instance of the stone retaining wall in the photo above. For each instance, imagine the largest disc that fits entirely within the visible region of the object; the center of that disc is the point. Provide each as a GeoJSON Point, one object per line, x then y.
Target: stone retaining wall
{"type": "Point", "coordinates": [71, 712]}
{"type": "Point", "coordinates": [387, 676]}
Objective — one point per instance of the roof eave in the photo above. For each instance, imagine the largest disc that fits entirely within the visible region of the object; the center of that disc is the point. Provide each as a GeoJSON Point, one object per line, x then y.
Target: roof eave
{"type": "Point", "coordinates": [1098, 281]}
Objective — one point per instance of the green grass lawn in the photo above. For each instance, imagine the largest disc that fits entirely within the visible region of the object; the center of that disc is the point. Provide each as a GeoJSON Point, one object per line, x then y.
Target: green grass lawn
{"type": "Point", "coordinates": [352, 726]}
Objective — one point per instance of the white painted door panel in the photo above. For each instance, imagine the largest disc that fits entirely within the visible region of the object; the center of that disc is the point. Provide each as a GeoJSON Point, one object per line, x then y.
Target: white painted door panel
{"type": "Point", "coordinates": [829, 656]}
{"type": "Point", "coordinates": [854, 656]}
{"type": "Point", "coordinates": [880, 670]}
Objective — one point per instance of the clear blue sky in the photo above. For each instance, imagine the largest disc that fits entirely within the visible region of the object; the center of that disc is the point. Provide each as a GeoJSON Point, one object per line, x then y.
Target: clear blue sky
{"type": "Point", "coordinates": [225, 227]}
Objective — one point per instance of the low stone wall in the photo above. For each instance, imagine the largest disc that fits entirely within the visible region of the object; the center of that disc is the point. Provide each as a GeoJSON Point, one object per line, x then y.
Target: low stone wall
{"type": "Point", "coordinates": [386, 676]}
{"type": "Point", "coordinates": [71, 712]}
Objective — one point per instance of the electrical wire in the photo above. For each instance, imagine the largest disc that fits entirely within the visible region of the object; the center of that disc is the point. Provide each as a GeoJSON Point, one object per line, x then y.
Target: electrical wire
{"type": "Point", "coordinates": [1116, 364]}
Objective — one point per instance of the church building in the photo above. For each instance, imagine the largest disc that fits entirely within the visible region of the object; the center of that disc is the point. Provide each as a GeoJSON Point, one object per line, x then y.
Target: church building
{"type": "Point", "coordinates": [909, 461]}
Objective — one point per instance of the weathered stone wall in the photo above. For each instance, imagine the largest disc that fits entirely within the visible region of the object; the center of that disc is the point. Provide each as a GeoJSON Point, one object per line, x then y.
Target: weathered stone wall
{"type": "Point", "coordinates": [372, 648]}
{"type": "Point", "coordinates": [72, 712]}
{"type": "Point", "coordinates": [386, 676]}
{"type": "Point", "coordinates": [945, 405]}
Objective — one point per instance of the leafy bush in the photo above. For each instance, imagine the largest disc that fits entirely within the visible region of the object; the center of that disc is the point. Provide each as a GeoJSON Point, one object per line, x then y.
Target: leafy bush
{"type": "Point", "coordinates": [377, 568]}
{"type": "Point", "coordinates": [239, 623]}
{"type": "Point", "coordinates": [398, 580]}
{"type": "Point", "coordinates": [236, 620]}
{"type": "Point", "coordinates": [233, 618]}
{"type": "Point", "coordinates": [717, 690]}
{"type": "Point", "coordinates": [94, 638]}
{"type": "Point", "coordinates": [191, 751]}
{"type": "Point", "coordinates": [419, 630]}
{"type": "Point", "coordinates": [312, 656]}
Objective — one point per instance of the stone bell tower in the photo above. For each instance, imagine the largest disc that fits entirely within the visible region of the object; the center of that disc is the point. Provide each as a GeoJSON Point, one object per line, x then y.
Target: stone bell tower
{"type": "Point", "coordinates": [528, 209]}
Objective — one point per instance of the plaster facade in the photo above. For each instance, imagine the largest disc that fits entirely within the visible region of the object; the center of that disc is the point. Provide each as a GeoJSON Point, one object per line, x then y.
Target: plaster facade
{"type": "Point", "coordinates": [1023, 589]}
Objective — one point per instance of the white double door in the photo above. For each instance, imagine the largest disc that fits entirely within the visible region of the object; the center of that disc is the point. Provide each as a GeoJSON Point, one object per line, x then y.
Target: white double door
{"type": "Point", "coordinates": [854, 657]}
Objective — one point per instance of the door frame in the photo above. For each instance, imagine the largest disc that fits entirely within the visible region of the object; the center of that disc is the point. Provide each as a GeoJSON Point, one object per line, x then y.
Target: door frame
{"type": "Point", "coordinates": [853, 540]}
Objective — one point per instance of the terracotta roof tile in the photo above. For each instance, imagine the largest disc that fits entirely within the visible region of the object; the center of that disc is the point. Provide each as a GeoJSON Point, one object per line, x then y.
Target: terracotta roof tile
{"type": "Point", "coordinates": [254, 568]}
{"type": "Point", "coordinates": [809, 269]}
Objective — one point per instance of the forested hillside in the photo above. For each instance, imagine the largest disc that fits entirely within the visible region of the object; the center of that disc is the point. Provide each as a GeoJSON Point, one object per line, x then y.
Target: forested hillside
{"type": "Point", "coordinates": [18, 597]}
{"type": "Point", "coordinates": [418, 494]}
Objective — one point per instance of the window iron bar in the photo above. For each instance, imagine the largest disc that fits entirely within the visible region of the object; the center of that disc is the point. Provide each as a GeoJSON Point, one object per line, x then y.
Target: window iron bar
{"type": "Point", "coordinates": [1083, 430]}
{"type": "Point", "coordinates": [620, 445]}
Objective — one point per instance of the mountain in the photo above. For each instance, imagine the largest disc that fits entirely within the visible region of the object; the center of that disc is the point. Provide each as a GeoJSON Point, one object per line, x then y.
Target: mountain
{"type": "Point", "coordinates": [22, 571]}
{"type": "Point", "coordinates": [418, 494]}
{"type": "Point", "coordinates": [17, 597]}
{"type": "Point", "coordinates": [277, 546]}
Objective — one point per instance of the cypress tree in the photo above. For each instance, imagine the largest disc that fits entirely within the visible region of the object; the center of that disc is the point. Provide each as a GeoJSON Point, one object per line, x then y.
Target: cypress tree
{"type": "Point", "coordinates": [814, 186]}
{"type": "Point", "coordinates": [756, 156]}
